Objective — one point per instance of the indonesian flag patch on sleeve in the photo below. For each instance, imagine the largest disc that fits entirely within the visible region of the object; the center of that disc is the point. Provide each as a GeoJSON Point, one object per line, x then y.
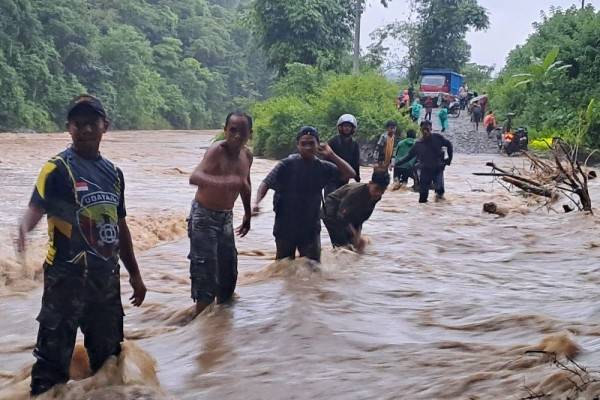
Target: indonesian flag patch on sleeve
{"type": "Point", "coordinates": [81, 186]}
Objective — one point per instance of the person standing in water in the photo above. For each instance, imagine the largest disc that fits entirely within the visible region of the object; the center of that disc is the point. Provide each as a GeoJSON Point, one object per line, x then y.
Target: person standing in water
{"type": "Point", "coordinates": [429, 152]}
{"type": "Point", "coordinates": [345, 210]}
{"type": "Point", "coordinates": [222, 176]}
{"type": "Point", "coordinates": [404, 171]}
{"type": "Point", "coordinates": [384, 151]}
{"type": "Point", "coordinates": [82, 194]}
{"type": "Point", "coordinates": [298, 181]}
{"type": "Point", "coordinates": [346, 147]}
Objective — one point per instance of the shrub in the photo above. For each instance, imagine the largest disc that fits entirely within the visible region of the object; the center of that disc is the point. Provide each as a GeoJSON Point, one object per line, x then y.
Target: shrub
{"type": "Point", "coordinates": [369, 97]}
{"type": "Point", "coordinates": [276, 122]}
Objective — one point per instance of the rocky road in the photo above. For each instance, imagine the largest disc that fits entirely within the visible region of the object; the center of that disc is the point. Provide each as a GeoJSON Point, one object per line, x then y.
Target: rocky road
{"type": "Point", "coordinates": [461, 132]}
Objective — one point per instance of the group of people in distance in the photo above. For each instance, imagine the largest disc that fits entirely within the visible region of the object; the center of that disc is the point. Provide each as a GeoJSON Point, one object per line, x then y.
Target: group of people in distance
{"type": "Point", "coordinates": [82, 194]}
{"type": "Point", "coordinates": [423, 160]}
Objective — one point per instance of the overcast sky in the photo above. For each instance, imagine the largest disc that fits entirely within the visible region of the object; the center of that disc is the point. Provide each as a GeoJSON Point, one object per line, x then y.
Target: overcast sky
{"type": "Point", "coordinates": [510, 24]}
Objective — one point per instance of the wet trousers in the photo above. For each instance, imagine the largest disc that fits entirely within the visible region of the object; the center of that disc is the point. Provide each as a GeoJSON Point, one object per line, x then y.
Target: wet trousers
{"type": "Point", "coordinates": [73, 300]}
{"type": "Point", "coordinates": [213, 256]}
{"type": "Point", "coordinates": [430, 177]}
{"type": "Point", "coordinates": [402, 174]}
{"type": "Point", "coordinates": [308, 247]}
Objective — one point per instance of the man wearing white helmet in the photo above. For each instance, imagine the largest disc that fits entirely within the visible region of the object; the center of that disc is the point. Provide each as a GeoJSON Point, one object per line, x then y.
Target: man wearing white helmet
{"type": "Point", "coordinates": [346, 148]}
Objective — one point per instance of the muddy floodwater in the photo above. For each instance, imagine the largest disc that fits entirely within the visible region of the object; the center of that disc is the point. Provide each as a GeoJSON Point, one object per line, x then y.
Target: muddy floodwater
{"type": "Point", "coordinates": [445, 304]}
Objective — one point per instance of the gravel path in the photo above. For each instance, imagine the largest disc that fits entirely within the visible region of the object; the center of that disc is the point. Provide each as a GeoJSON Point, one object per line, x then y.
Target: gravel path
{"type": "Point", "coordinates": [461, 132]}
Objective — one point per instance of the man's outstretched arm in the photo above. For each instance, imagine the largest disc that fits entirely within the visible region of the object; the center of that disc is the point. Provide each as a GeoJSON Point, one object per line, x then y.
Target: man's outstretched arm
{"type": "Point", "coordinates": [30, 219]}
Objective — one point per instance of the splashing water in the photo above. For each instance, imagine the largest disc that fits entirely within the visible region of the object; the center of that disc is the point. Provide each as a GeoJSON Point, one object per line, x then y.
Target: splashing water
{"type": "Point", "coordinates": [446, 302]}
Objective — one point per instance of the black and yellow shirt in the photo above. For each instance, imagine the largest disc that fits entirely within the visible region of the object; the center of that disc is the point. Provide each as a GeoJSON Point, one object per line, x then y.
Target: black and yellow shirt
{"type": "Point", "coordinates": [84, 200]}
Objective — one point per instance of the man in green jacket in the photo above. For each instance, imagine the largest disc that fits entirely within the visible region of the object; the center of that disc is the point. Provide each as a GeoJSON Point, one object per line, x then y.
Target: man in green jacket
{"type": "Point", "coordinates": [404, 171]}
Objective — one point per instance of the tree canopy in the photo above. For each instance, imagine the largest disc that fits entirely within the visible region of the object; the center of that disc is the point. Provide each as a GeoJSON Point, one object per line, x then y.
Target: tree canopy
{"type": "Point", "coordinates": [159, 64]}
{"type": "Point", "coordinates": [312, 32]}
{"type": "Point", "coordinates": [551, 80]}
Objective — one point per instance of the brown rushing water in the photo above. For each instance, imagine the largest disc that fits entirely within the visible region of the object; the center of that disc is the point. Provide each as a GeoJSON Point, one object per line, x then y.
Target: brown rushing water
{"type": "Point", "coordinates": [443, 305]}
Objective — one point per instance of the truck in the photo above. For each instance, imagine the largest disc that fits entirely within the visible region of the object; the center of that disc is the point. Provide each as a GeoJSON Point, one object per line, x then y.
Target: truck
{"type": "Point", "coordinates": [440, 84]}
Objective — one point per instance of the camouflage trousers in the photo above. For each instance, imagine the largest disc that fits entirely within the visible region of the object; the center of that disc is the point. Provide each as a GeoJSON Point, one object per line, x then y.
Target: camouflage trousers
{"type": "Point", "coordinates": [73, 299]}
{"type": "Point", "coordinates": [213, 256]}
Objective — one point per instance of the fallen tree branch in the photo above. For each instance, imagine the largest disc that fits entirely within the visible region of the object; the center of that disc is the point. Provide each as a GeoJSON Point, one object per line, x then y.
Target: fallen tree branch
{"type": "Point", "coordinates": [542, 178]}
{"type": "Point", "coordinates": [504, 174]}
{"type": "Point", "coordinates": [528, 187]}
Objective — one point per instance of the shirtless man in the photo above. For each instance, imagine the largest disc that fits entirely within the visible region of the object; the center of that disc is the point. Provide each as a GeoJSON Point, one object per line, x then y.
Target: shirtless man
{"type": "Point", "coordinates": [222, 175]}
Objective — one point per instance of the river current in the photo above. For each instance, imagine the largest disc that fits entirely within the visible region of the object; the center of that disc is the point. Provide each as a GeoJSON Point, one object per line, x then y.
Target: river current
{"type": "Point", "coordinates": [447, 303]}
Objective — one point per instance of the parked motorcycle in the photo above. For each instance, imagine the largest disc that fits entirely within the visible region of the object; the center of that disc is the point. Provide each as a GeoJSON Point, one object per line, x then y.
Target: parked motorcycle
{"type": "Point", "coordinates": [514, 142]}
{"type": "Point", "coordinates": [454, 109]}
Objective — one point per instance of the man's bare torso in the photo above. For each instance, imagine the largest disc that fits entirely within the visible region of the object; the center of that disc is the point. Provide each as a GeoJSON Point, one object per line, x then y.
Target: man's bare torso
{"type": "Point", "coordinates": [228, 174]}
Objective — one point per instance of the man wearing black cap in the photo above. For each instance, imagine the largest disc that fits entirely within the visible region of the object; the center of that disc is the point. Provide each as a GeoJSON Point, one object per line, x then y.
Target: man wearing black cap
{"type": "Point", "coordinates": [345, 210]}
{"type": "Point", "coordinates": [82, 194]}
{"type": "Point", "coordinates": [298, 181]}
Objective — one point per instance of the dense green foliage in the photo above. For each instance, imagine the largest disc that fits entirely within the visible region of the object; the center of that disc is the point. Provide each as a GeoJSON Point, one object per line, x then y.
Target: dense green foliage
{"type": "Point", "coordinates": [155, 64]}
{"type": "Point", "coordinates": [551, 80]}
{"type": "Point", "coordinates": [308, 96]}
{"type": "Point", "coordinates": [313, 32]}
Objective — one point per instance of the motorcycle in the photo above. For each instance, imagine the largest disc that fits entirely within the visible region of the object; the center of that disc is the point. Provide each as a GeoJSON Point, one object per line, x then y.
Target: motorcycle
{"type": "Point", "coordinates": [513, 142]}
{"type": "Point", "coordinates": [454, 109]}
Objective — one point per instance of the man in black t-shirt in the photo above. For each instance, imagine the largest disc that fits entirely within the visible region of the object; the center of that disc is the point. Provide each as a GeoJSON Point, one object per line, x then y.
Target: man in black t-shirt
{"type": "Point", "coordinates": [82, 193]}
{"type": "Point", "coordinates": [298, 181]}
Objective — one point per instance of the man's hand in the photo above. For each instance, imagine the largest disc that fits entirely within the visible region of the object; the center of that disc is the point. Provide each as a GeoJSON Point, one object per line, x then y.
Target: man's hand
{"type": "Point", "coordinates": [255, 210]}
{"type": "Point", "coordinates": [358, 241]}
{"type": "Point", "coordinates": [139, 290]}
{"type": "Point", "coordinates": [325, 151]}
{"type": "Point", "coordinates": [243, 229]}
{"type": "Point", "coordinates": [360, 245]}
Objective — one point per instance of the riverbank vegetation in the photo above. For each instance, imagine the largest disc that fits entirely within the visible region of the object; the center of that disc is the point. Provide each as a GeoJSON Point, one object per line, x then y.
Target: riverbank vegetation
{"type": "Point", "coordinates": [551, 81]}
{"type": "Point", "coordinates": [308, 96]}
{"type": "Point", "coordinates": [185, 63]}
{"type": "Point", "coordinates": [155, 64]}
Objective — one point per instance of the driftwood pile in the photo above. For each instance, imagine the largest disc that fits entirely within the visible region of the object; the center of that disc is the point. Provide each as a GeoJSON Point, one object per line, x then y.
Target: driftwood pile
{"type": "Point", "coordinates": [562, 174]}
